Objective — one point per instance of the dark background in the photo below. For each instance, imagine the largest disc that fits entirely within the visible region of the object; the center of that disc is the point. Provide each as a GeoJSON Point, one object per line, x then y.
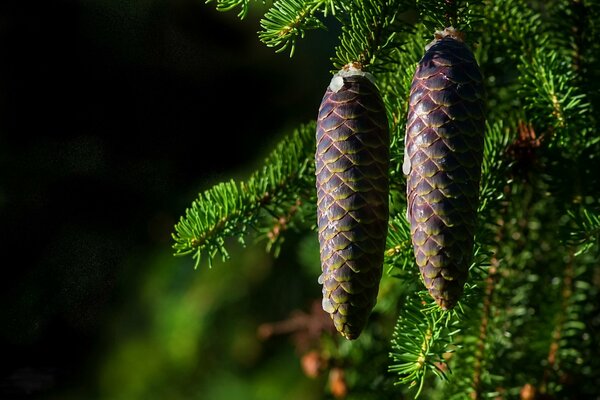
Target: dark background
{"type": "Point", "coordinates": [113, 115]}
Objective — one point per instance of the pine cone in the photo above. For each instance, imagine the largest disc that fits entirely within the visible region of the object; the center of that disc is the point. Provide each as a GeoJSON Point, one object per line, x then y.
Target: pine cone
{"type": "Point", "coordinates": [352, 162]}
{"type": "Point", "coordinates": [444, 151]}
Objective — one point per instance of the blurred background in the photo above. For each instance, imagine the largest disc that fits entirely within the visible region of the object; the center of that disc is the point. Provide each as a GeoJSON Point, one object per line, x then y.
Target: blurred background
{"type": "Point", "coordinates": [114, 114]}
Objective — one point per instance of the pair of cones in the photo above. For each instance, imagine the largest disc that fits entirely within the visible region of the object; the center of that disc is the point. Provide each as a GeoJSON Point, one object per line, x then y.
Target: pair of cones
{"type": "Point", "coordinates": [443, 155]}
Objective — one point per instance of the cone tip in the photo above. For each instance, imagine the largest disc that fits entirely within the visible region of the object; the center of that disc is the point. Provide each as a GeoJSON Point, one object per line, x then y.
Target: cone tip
{"type": "Point", "coordinates": [450, 32]}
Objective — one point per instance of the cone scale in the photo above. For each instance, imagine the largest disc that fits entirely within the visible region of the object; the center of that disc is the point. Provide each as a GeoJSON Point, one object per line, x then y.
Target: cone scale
{"type": "Point", "coordinates": [352, 163]}
{"type": "Point", "coordinates": [444, 151]}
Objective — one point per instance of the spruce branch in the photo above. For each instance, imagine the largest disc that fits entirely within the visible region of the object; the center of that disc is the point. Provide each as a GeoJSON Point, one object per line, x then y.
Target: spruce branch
{"type": "Point", "coordinates": [477, 338]}
{"type": "Point", "coordinates": [372, 32]}
{"type": "Point", "coordinates": [421, 338]}
{"type": "Point", "coordinates": [568, 28]}
{"type": "Point", "coordinates": [464, 15]}
{"type": "Point", "coordinates": [499, 54]}
{"type": "Point", "coordinates": [494, 170]}
{"type": "Point", "coordinates": [586, 234]}
{"type": "Point", "coordinates": [228, 5]}
{"type": "Point", "coordinates": [274, 234]}
{"type": "Point", "coordinates": [521, 27]}
{"type": "Point", "coordinates": [229, 209]}
{"type": "Point", "coordinates": [288, 20]}
{"type": "Point", "coordinates": [551, 97]}
{"type": "Point", "coordinates": [399, 252]}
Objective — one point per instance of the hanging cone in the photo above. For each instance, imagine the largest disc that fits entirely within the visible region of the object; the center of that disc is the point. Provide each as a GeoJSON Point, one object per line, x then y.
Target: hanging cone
{"type": "Point", "coordinates": [444, 151]}
{"type": "Point", "coordinates": [352, 162]}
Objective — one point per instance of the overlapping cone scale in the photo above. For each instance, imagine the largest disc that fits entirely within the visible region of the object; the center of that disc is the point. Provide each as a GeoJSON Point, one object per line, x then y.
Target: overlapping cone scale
{"type": "Point", "coordinates": [352, 162]}
{"type": "Point", "coordinates": [444, 150]}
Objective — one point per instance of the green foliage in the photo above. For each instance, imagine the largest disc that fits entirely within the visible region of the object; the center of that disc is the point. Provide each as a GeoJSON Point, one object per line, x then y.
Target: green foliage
{"type": "Point", "coordinates": [372, 31]}
{"type": "Point", "coordinates": [399, 246]}
{"type": "Point", "coordinates": [587, 232]}
{"type": "Point", "coordinates": [288, 20]}
{"type": "Point", "coordinates": [229, 209]}
{"type": "Point", "coordinates": [552, 98]}
{"type": "Point", "coordinates": [228, 5]}
{"type": "Point", "coordinates": [421, 338]}
{"type": "Point", "coordinates": [529, 311]}
{"type": "Point", "coordinates": [462, 15]}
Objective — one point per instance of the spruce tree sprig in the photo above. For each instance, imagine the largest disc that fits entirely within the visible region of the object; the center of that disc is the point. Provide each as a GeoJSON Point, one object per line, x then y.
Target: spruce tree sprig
{"type": "Point", "coordinates": [372, 32]}
{"type": "Point", "coordinates": [399, 252]}
{"type": "Point", "coordinates": [552, 99]}
{"type": "Point", "coordinates": [228, 5]}
{"type": "Point", "coordinates": [463, 15]}
{"type": "Point", "coordinates": [230, 208]}
{"type": "Point", "coordinates": [586, 234]}
{"type": "Point", "coordinates": [288, 20]}
{"type": "Point", "coordinates": [421, 338]}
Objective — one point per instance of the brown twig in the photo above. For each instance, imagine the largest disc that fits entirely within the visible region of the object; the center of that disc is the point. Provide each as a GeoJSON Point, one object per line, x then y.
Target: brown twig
{"type": "Point", "coordinates": [523, 149]}
{"type": "Point", "coordinates": [305, 328]}
{"type": "Point", "coordinates": [282, 222]}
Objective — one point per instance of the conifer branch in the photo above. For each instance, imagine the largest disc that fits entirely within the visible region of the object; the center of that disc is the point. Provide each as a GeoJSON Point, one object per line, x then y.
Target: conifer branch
{"type": "Point", "coordinates": [282, 223]}
{"type": "Point", "coordinates": [551, 96]}
{"type": "Point", "coordinates": [421, 337]}
{"type": "Point", "coordinates": [464, 15]}
{"type": "Point", "coordinates": [499, 55]}
{"type": "Point", "coordinates": [522, 27]}
{"type": "Point", "coordinates": [399, 250]}
{"type": "Point", "coordinates": [372, 31]}
{"type": "Point", "coordinates": [288, 20]}
{"type": "Point", "coordinates": [228, 209]}
{"type": "Point", "coordinates": [587, 233]}
{"type": "Point", "coordinates": [228, 5]}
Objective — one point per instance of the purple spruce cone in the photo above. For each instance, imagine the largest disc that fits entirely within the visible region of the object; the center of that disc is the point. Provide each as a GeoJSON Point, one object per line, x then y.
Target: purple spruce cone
{"type": "Point", "coordinates": [444, 151]}
{"type": "Point", "coordinates": [352, 162]}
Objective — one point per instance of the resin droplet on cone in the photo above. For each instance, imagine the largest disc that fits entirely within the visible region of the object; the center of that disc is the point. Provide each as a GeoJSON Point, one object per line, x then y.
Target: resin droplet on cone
{"type": "Point", "coordinates": [444, 151]}
{"type": "Point", "coordinates": [352, 162]}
